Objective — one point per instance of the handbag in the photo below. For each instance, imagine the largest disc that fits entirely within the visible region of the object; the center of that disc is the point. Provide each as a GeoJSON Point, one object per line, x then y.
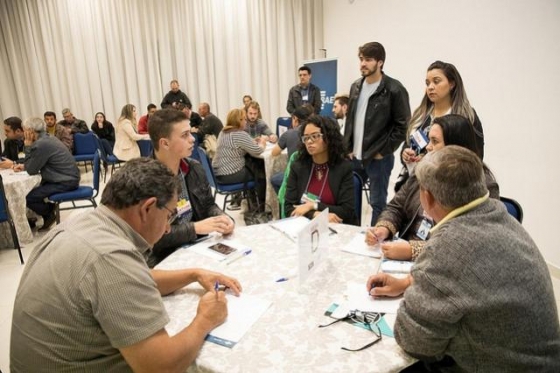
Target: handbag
{"type": "Point", "coordinates": [256, 213]}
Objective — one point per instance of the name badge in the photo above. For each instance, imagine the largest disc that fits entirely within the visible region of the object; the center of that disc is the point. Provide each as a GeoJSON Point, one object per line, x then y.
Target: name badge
{"type": "Point", "coordinates": [424, 229]}
{"type": "Point", "coordinates": [183, 207]}
{"type": "Point", "coordinates": [418, 141]}
{"type": "Point", "coordinates": [309, 197]}
{"type": "Point", "coordinates": [305, 97]}
{"type": "Point", "coordinates": [21, 155]}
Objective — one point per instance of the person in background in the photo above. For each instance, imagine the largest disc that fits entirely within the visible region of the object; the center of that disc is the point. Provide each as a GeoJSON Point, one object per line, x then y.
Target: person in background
{"type": "Point", "coordinates": [304, 93]}
{"type": "Point", "coordinates": [175, 97]}
{"type": "Point", "coordinates": [87, 301]}
{"type": "Point", "coordinates": [290, 139]}
{"type": "Point", "coordinates": [126, 136]}
{"type": "Point", "coordinates": [378, 115]}
{"type": "Point", "coordinates": [105, 131]}
{"type": "Point", "coordinates": [194, 118]}
{"type": "Point", "coordinates": [480, 298]}
{"type": "Point", "coordinates": [197, 212]}
{"type": "Point", "coordinates": [320, 176]}
{"type": "Point", "coordinates": [47, 156]}
{"type": "Point", "coordinates": [257, 127]}
{"type": "Point", "coordinates": [75, 125]}
{"type": "Point", "coordinates": [445, 94]}
{"type": "Point", "coordinates": [211, 124]}
{"type": "Point", "coordinates": [247, 100]}
{"type": "Point", "coordinates": [143, 121]}
{"type": "Point", "coordinates": [340, 109]}
{"type": "Point", "coordinates": [63, 133]}
{"type": "Point", "coordinates": [236, 157]}
{"type": "Point", "coordinates": [13, 144]}
{"type": "Point", "coordinates": [404, 213]}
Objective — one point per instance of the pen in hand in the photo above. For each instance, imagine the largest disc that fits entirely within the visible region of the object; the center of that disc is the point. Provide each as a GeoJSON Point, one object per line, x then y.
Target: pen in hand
{"type": "Point", "coordinates": [216, 287]}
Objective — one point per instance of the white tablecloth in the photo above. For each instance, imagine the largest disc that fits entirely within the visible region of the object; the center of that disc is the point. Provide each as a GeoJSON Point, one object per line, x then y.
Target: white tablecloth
{"type": "Point", "coordinates": [17, 185]}
{"type": "Point", "coordinates": [286, 338]}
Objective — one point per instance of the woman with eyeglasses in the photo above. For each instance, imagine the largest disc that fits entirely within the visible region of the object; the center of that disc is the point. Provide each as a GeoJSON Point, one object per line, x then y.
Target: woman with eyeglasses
{"type": "Point", "coordinates": [444, 94]}
{"type": "Point", "coordinates": [404, 214]}
{"type": "Point", "coordinates": [321, 177]}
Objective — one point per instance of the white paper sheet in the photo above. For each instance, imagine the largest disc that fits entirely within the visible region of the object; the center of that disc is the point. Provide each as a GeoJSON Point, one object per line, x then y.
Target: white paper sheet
{"type": "Point", "coordinates": [396, 266]}
{"type": "Point", "coordinates": [243, 312]}
{"type": "Point", "coordinates": [359, 246]}
{"type": "Point", "coordinates": [357, 298]}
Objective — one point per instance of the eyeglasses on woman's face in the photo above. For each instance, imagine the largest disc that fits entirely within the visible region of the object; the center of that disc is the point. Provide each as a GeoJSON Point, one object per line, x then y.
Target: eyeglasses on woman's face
{"type": "Point", "coordinates": [313, 137]}
{"type": "Point", "coordinates": [368, 319]}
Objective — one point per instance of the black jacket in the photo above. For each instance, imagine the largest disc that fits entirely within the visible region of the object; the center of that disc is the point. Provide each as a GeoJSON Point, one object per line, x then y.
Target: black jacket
{"type": "Point", "coordinates": [341, 182]}
{"type": "Point", "coordinates": [203, 205]}
{"type": "Point", "coordinates": [12, 148]}
{"type": "Point", "coordinates": [387, 117]}
{"type": "Point", "coordinates": [295, 99]}
{"type": "Point", "coordinates": [179, 97]}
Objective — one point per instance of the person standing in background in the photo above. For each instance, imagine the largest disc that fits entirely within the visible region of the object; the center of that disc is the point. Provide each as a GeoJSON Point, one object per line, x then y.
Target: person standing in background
{"type": "Point", "coordinates": [175, 97]}
{"type": "Point", "coordinates": [378, 115]}
{"type": "Point", "coordinates": [304, 92]}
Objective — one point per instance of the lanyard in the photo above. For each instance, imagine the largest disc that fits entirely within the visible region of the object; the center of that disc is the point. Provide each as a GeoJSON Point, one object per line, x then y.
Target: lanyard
{"type": "Point", "coordinates": [324, 181]}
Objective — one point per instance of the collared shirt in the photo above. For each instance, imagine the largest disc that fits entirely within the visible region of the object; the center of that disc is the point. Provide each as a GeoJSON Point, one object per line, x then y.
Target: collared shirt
{"type": "Point", "coordinates": [86, 292]}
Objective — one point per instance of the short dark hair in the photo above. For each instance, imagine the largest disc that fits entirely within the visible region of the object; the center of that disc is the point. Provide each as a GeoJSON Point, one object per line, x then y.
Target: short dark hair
{"type": "Point", "coordinates": [305, 68]}
{"type": "Point", "coordinates": [50, 114]}
{"type": "Point", "coordinates": [151, 106]}
{"type": "Point", "coordinates": [160, 125]}
{"type": "Point", "coordinates": [138, 180]}
{"type": "Point", "coordinates": [14, 123]}
{"type": "Point", "coordinates": [342, 100]}
{"type": "Point", "coordinates": [373, 50]}
{"type": "Point", "coordinates": [302, 113]}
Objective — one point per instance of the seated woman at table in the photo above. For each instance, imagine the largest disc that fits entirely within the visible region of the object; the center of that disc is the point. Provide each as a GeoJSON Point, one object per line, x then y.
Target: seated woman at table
{"type": "Point", "coordinates": [126, 135]}
{"type": "Point", "coordinates": [404, 214]}
{"type": "Point", "coordinates": [105, 131]}
{"type": "Point", "coordinates": [236, 156]}
{"type": "Point", "coordinates": [320, 177]}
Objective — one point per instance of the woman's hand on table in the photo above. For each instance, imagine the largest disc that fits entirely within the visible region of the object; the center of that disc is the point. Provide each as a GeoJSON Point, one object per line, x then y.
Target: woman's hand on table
{"type": "Point", "coordinates": [301, 210]}
{"type": "Point", "coordinates": [398, 250]}
{"type": "Point", "coordinates": [376, 235]}
{"type": "Point", "coordinates": [221, 224]}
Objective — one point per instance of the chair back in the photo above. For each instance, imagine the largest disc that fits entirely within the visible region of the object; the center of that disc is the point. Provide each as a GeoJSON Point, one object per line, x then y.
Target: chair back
{"type": "Point", "coordinates": [513, 207]}
{"type": "Point", "coordinates": [96, 171]}
{"type": "Point", "coordinates": [146, 147]}
{"type": "Point", "coordinates": [282, 125]}
{"type": "Point", "coordinates": [358, 185]}
{"type": "Point", "coordinates": [195, 155]}
{"type": "Point", "coordinates": [85, 143]}
{"type": "Point", "coordinates": [205, 161]}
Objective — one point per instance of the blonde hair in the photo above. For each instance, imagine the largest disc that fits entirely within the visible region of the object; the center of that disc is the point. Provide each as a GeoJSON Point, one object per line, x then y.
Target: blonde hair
{"type": "Point", "coordinates": [233, 120]}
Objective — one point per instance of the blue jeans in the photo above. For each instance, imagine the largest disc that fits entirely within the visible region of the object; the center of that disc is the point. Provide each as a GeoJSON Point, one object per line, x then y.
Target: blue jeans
{"type": "Point", "coordinates": [378, 172]}
{"type": "Point", "coordinates": [276, 181]}
{"type": "Point", "coordinates": [36, 198]}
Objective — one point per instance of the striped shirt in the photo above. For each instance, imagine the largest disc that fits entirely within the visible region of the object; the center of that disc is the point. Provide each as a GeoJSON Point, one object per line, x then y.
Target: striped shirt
{"type": "Point", "coordinates": [232, 148]}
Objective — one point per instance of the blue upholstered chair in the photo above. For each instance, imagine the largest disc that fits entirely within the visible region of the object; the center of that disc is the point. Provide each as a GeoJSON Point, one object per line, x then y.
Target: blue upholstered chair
{"type": "Point", "coordinates": [223, 189]}
{"type": "Point", "coordinates": [513, 207]}
{"type": "Point", "coordinates": [5, 217]}
{"type": "Point", "coordinates": [83, 193]}
{"type": "Point", "coordinates": [85, 147]}
{"type": "Point", "coordinates": [283, 122]}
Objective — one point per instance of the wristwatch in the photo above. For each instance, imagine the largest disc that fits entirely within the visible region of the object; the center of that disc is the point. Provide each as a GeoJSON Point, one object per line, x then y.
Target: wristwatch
{"type": "Point", "coordinates": [316, 206]}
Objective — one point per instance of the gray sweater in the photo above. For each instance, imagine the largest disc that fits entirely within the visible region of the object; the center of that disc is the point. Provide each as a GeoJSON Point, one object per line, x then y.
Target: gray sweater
{"type": "Point", "coordinates": [52, 159]}
{"type": "Point", "coordinates": [482, 294]}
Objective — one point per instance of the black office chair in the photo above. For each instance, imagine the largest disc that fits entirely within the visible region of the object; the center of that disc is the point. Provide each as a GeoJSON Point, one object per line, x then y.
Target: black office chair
{"type": "Point", "coordinates": [5, 216]}
{"type": "Point", "coordinates": [513, 207]}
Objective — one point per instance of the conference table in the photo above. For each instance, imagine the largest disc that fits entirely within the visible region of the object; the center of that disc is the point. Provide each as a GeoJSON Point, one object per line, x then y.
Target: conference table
{"type": "Point", "coordinates": [16, 186]}
{"type": "Point", "coordinates": [286, 337]}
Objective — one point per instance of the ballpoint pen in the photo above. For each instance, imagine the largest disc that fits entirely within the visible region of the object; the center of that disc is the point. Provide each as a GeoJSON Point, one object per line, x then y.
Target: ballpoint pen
{"type": "Point", "coordinates": [216, 287]}
{"type": "Point", "coordinates": [333, 231]}
{"type": "Point", "coordinates": [282, 279]}
{"type": "Point", "coordinates": [244, 253]}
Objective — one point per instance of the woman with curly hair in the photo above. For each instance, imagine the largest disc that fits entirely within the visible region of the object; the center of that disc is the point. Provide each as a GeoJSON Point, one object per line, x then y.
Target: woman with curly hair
{"type": "Point", "coordinates": [321, 177]}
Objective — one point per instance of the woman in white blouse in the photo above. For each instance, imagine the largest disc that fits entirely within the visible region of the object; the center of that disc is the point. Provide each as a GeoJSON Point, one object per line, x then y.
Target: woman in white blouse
{"type": "Point", "coordinates": [126, 135]}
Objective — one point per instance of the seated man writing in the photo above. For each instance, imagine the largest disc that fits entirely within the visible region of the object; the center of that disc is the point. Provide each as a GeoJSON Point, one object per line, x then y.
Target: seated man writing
{"type": "Point", "coordinates": [198, 214]}
{"type": "Point", "coordinates": [480, 298]}
{"type": "Point", "coordinates": [87, 302]}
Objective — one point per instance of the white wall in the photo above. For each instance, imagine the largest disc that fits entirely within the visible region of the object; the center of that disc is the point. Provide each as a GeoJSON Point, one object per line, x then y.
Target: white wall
{"type": "Point", "coordinates": [508, 53]}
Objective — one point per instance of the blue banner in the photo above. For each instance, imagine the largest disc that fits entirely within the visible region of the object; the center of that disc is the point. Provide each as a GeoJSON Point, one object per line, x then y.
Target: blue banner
{"type": "Point", "coordinates": [323, 75]}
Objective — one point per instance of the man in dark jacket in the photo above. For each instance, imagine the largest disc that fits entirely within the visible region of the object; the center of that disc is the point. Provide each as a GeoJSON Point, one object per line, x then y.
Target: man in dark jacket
{"type": "Point", "coordinates": [378, 115]}
{"type": "Point", "coordinates": [175, 97]}
{"type": "Point", "coordinates": [47, 156]}
{"type": "Point", "coordinates": [76, 125]}
{"type": "Point", "coordinates": [13, 145]}
{"type": "Point", "coordinates": [304, 92]}
{"type": "Point", "coordinates": [197, 213]}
